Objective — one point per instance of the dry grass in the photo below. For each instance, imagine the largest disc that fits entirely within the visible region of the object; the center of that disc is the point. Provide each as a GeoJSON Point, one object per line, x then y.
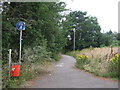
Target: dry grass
{"type": "Point", "coordinates": [41, 70]}
{"type": "Point", "coordinates": [102, 53]}
{"type": "Point", "coordinates": [99, 63]}
{"type": "Point", "coordinates": [46, 68]}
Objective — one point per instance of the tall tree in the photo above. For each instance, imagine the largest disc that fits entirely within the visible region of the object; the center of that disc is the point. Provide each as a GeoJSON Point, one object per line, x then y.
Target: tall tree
{"type": "Point", "coordinates": [87, 29]}
{"type": "Point", "coordinates": [42, 25]}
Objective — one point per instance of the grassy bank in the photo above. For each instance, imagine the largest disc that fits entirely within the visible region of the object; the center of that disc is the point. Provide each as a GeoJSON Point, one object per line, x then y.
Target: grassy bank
{"type": "Point", "coordinates": [99, 61]}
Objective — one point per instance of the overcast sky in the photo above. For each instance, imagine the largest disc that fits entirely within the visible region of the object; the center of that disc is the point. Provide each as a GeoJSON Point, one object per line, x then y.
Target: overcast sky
{"type": "Point", "coordinates": [105, 10]}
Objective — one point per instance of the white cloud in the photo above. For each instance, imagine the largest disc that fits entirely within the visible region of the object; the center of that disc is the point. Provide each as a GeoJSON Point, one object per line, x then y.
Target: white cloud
{"type": "Point", "coordinates": [105, 10]}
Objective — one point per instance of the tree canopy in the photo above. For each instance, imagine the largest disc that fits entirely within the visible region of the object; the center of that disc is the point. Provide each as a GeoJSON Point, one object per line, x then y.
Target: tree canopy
{"type": "Point", "coordinates": [43, 20]}
{"type": "Point", "coordinates": [86, 27]}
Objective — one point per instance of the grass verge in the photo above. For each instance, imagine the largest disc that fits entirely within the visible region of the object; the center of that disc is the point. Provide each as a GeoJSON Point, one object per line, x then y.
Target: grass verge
{"type": "Point", "coordinates": [33, 65]}
{"type": "Point", "coordinates": [99, 61]}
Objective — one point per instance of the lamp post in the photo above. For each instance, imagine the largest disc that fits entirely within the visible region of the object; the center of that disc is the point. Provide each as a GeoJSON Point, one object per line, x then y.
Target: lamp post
{"type": "Point", "coordinates": [69, 37]}
{"type": "Point", "coordinates": [74, 40]}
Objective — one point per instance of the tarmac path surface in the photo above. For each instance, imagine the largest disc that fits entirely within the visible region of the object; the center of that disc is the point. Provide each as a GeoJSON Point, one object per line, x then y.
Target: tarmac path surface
{"type": "Point", "coordinates": [66, 75]}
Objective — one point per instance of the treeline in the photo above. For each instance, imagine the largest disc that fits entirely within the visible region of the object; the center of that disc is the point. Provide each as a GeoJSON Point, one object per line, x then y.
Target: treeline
{"type": "Point", "coordinates": [110, 39]}
{"type": "Point", "coordinates": [48, 28]}
{"type": "Point", "coordinates": [87, 32]}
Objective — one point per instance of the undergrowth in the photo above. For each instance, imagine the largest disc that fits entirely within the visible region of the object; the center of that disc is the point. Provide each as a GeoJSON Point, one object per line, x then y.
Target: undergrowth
{"type": "Point", "coordinates": [34, 62]}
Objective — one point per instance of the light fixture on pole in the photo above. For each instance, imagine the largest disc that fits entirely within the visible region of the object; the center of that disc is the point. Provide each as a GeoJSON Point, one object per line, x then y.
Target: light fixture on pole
{"type": "Point", "coordinates": [69, 37]}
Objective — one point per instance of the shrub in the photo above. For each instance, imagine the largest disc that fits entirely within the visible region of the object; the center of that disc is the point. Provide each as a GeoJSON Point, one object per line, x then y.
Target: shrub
{"type": "Point", "coordinates": [81, 60]}
{"type": "Point", "coordinates": [114, 60]}
{"type": "Point", "coordinates": [113, 67]}
{"type": "Point", "coordinates": [36, 54]}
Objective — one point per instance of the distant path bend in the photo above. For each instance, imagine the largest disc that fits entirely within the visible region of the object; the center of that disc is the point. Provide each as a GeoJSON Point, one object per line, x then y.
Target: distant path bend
{"type": "Point", "coordinates": [66, 76]}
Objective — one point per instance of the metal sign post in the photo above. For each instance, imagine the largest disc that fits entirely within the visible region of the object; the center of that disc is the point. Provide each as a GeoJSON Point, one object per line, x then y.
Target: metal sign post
{"type": "Point", "coordinates": [20, 26]}
{"type": "Point", "coordinates": [20, 47]}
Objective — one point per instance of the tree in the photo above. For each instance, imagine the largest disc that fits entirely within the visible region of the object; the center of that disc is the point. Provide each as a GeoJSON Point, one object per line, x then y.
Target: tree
{"type": "Point", "coordinates": [87, 29]}
{"type": "Point", "coordinates": [42, 25]}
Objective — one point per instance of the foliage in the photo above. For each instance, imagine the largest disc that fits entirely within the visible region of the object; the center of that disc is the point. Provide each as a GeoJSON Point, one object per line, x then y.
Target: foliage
{"type": "Point", "coordinates": [73, 53]}
{"type": "Point", "coordinates": [82, 57]}
{"type": "Point", "coordinates": [81, 60]}
{"type": "Point", "coordinates": [42, 25]}
{"type": "Point", "coordinates": [115, 43]}
{"type": "Point", "coordinates": [87, 30]}
{"type": "Point", "coordinates": [43, 38]}
{"type": "Point", "coordinates": [114, 62]}
{"type": "Point", "coordinates": [109, 39]}
{"type": "Point", "coordinates": [36, 54]}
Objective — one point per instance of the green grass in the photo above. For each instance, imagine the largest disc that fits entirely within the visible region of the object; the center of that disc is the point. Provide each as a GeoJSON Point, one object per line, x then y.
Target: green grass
{"type": "Point", "coordinates": [73, 53]}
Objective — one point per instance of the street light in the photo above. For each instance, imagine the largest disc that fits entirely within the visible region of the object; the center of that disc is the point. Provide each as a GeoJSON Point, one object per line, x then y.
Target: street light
{"type": "Point", "coordinates": [74, 40]}
{"type": "Point", "coordinates": [69, 37]}
{"type": "Point", "coordinates": [74, 37]}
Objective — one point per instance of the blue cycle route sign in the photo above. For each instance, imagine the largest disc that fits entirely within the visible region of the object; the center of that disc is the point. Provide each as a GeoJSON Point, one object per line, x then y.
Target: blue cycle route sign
{"type": "Point", "coordinates": [20, 25]}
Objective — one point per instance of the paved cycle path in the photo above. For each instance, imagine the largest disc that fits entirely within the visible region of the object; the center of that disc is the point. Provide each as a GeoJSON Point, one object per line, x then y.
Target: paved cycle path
{"type": "Point", "coordinates": [66, 75]}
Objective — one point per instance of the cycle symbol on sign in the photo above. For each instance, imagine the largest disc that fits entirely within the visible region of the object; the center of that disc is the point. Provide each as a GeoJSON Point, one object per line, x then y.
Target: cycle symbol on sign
{"type": "Point", "coordinates": [20, 25]}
